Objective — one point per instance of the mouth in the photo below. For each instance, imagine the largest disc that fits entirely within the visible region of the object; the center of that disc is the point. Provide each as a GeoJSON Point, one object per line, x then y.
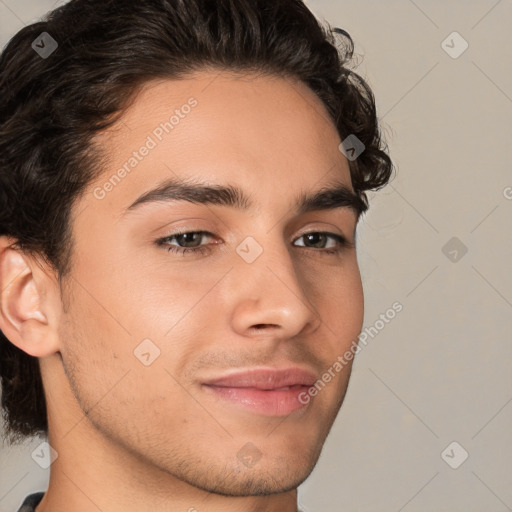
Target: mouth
{"type": "Point", "coordinates": [270, 402]}
{"type": "Point", "coordinates": [271, 392]}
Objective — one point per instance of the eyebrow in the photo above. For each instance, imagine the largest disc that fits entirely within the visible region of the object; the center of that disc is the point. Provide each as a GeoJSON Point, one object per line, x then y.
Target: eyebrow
{"type": "Point", "coordinates": [175, 189]}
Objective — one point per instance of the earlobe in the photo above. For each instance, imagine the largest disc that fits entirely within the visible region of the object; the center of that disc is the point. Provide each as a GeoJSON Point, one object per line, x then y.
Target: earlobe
{"type": "Point", "coordinates": [26, 318]}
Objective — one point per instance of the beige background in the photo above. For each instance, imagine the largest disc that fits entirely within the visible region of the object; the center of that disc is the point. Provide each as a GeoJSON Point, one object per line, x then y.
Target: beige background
{"type": "Point", "coordinates": [438, 372]}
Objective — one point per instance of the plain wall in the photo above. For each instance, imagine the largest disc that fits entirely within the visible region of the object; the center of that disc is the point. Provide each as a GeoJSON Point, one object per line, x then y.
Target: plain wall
{"type": "Point", "coordinates": [439, 371]}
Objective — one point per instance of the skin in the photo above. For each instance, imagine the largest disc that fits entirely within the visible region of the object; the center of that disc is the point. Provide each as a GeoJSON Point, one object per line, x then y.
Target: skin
{"type": "Point", "coordinates": [131, 437]}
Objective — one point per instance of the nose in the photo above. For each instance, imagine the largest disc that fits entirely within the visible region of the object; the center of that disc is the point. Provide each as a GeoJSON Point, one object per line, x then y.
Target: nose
{"type": "Point", "coordinates": [270, 297]}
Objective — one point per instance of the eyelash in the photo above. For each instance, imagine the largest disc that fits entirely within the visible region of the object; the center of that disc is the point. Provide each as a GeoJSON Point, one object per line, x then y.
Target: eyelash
{"type": "Point", "coordinates": [342, 243]}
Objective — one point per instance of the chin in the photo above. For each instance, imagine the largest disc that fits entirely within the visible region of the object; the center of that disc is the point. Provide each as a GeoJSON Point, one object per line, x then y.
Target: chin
{"type": "Point", "coordinates": [260, 483]}
{"type": "Point", "coordinates": [264, 478]}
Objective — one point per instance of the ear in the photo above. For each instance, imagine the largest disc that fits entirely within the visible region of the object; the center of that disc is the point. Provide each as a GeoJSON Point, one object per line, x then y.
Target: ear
{"type": "Point", "coordinates": [29, 301]}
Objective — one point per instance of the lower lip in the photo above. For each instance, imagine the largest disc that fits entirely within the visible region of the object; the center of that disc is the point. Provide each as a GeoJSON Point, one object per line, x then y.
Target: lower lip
{"type": "Point", "coordinates": [269, 402]}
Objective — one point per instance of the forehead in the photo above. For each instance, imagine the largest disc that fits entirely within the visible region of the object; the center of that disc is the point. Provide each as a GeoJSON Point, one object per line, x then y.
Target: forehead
{"type": "Point", "coordinates": [264, 133]}
{"type": "Point", "coordinates": [243, 98]}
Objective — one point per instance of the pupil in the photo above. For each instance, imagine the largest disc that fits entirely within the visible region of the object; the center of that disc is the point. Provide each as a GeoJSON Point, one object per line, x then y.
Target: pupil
{"type": "Point", "coordinates": [313, 236]}
{"type": "Point", "coordinates": [190, 236]}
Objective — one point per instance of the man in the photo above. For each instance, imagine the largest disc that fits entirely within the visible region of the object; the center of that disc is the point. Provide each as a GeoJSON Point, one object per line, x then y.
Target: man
{"type": "Point", "coordinates": [182, 183]}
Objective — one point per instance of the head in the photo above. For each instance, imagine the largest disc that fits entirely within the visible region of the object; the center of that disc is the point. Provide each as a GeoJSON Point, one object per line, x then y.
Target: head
{"type": "Point", "coordinates": [156, 118]}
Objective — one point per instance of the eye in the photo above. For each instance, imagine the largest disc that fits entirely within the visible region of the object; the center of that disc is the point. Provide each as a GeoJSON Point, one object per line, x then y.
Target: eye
{"type": "Point", "coordinates": [319, 238]}
{"type": "Point", "coordinates": [189, 242]}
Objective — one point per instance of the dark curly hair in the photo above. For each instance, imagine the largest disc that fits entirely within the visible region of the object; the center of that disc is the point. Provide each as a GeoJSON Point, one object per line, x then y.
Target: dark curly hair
{"type": "Point", "coordinates": [51, 108]}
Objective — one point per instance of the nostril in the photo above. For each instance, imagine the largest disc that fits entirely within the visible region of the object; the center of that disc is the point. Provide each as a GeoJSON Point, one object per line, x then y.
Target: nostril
{"type": "Point", "coordinates": [262, 326]}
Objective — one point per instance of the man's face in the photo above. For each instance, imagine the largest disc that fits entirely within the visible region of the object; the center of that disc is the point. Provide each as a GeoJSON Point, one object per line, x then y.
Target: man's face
{"type": "Point", "coordinates": [277, 299]}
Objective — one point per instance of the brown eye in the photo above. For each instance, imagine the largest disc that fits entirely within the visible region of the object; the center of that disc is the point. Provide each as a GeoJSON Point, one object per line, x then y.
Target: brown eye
{"type": "Point", "coordinates": [192, 239]}
{"type": "Point", "coordinates": [326, 242]}
{"type": "Point", "coordinates": [187, 242]}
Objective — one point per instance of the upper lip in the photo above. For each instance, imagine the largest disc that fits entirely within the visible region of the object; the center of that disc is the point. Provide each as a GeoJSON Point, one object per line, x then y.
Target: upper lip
{"type": "Point", "coordinates": [265, 378]}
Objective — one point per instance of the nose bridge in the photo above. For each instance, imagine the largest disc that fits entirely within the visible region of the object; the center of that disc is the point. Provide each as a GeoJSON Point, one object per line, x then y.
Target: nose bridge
{"type": "Point", "coordinates": [270, 291]}
{"type": "Point", "coordinates": [267, 258]}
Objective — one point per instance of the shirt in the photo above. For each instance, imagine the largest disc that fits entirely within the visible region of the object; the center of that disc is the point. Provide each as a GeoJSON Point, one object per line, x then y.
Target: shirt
{"type": "Point", "coordinates": [33, 500]}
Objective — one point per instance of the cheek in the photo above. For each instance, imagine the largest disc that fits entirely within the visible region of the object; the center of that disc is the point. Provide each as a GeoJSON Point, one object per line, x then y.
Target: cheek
{"type": "Point", "coordinates": [353, 298]}
{"type": "Point", "coordinates": [97, 340]}
{"type": "Point", "coordinates": [341, 303]}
